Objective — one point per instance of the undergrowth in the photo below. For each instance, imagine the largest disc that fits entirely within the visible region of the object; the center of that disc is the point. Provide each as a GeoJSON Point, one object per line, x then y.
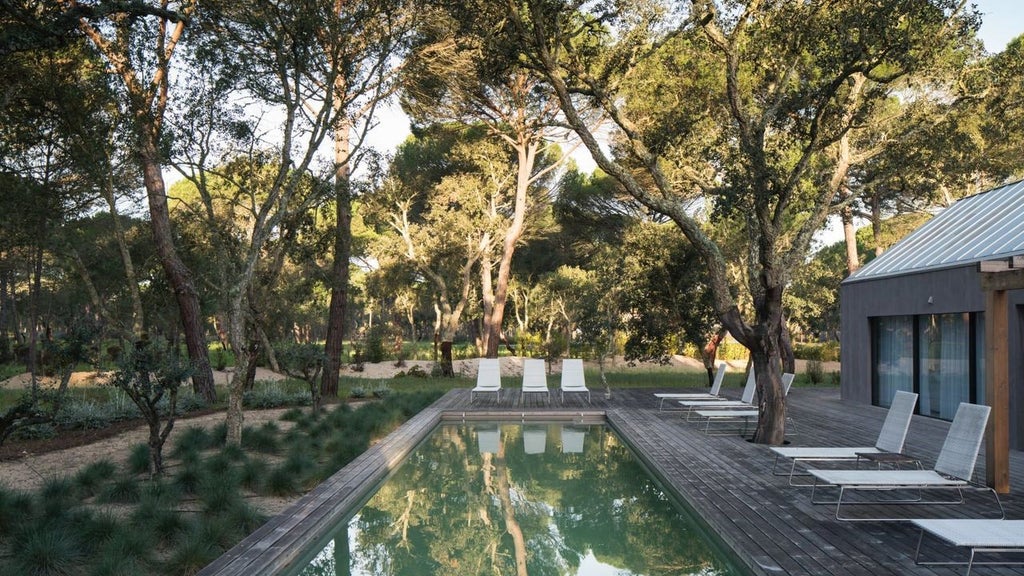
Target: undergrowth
{"type": "Point", "coordinates": [201, 507]}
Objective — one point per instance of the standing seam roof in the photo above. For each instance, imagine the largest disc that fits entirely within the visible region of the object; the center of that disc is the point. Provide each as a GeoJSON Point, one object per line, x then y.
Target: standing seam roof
{"type": "Point", "coordinates": [981, 227]}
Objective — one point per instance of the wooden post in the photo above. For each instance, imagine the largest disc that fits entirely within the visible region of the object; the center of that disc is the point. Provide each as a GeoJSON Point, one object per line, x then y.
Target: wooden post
{"type": "Point", "coordinates": [997, 277]}
{"type": "Point", "coordinates": [997, 391]}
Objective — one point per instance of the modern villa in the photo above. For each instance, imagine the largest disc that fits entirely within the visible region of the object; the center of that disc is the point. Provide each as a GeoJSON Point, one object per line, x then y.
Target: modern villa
{"type": "Point", "coordinates": [914, 318]}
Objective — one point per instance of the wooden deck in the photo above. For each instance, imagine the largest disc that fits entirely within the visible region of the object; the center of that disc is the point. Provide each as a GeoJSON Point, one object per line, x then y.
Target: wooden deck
{"type": "Point", "coordinates": [770, 526]}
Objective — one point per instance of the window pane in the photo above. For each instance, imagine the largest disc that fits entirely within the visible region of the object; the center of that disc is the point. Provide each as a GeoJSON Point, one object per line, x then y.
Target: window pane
{"type": "Point", "coordinates": [944, 356]}
{"type": "Point", "coordinates": [894, 357]}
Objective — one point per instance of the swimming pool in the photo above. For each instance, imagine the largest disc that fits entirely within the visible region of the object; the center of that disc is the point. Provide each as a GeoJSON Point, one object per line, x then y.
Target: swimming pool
{"type": "Point", "coordinates": [538, 499]}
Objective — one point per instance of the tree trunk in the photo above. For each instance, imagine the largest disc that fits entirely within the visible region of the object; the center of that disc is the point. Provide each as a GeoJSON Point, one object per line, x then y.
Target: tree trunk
{"type": "Point", "coordinates": [334, 343]}
{"type": "Point", "coordinates": [876, 224]}
{"type": "Point", "coordinates": [786, 350]}
{"type": "Point", "coordinates": [766, 355]}
{"type": "Point", "coordinates": [526, 152]}
{"type": "Point", "coordinates": [33, 313]}
{"type": "Point", "coordinates": [709, 353]}
{"type": "Point", "coordinates": [850, 235]}
{"type": "Point", "coordinates": [138, 314]}
{"type": "Point", "coordinates": [487, 330]}
{"type": "Point", "coordinates": [511, 522]}
{"type": "Point", "coordinates": [446, 359]}
{"type": "Point", "coordinates": [179, 276]}
{"type": "Point", "coordinates": [236, 388]}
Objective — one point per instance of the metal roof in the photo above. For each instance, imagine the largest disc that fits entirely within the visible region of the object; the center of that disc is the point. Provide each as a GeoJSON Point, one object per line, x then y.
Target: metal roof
{"type": "Point", "coordinates": [985, 226]}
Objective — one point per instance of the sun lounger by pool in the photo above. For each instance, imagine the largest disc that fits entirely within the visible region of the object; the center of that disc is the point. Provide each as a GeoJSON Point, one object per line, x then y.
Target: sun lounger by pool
{"type": "Point", "coordinates": [735, 414]}
{"type": "Point", "coordinates": [488, 378]}
{"type": "Point", "coordinates": [572, 378]}
{"type": "Point", "coordinates": [712, 394]}
{"type": "Point", "coordinates": [979, 536]}
{"type": "Point", "coordinates": [890, 442]}
{"type": "Point", "coordinates": [534, 377]}
{"type": "Point", "coordinates": [535, 439]}
{"type": "Point", "coordinates": [745, 401]}
{"type": "Point", "coordinates": [953, 470]}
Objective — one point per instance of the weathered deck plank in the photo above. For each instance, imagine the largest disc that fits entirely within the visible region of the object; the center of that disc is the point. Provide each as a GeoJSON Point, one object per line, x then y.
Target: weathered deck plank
{"type": "Point", "coordinates": [772, 527]}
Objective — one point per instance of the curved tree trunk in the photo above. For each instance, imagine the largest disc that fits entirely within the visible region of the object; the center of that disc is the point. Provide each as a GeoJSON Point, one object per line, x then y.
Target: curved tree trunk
{"type": "Point", "coordinates": [526, 152]}
{"type": "Point", "coordinates": [178, 275]}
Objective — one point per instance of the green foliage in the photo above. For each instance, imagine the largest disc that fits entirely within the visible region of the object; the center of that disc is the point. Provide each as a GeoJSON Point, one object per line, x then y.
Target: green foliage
{"type": "Point", "coordinates": [815, 372]}
{"type": "Point", "coordinates": [823, 351]}
{"type": "Point", "coordinates": [197, 549]}
{"type": "Point", "coordinates": [149, 373]}
{"type": "Point", "coordinates": [138, 459]}
{"type": "Point", "coordinates": [90, 479]}
{"type": "Point", "coordinates": [274, 395]}
{"type": "Point", "coordinates": [121, 490]}
{"type": "Point", "coordinates": [52, 550]}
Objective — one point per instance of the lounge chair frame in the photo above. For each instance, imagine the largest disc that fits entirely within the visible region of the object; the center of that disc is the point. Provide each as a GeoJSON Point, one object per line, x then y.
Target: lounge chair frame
{"type": "Point", "coordinates": [953, 469]}
{"type": "Point", "coordinates": [888, 449]}
{"type": "Point", "coordinates": [713, 393]}
{"type": "Point", "coordinates": [1009, 540]}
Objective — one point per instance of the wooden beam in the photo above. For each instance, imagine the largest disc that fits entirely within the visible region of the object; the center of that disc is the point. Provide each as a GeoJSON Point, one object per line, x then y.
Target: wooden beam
{"type": "Point", "coordinates": [993, 265]}
{"type": "Point", "coordinates": [1011, 279]}
{"type": "Point", "coordinates": [997, 390]}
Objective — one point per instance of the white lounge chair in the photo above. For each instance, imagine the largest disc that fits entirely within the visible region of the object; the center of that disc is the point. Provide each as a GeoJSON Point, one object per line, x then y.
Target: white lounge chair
{"type": "Point", "coordinates": [572, 439]}
{"type": "Point", "coordinates": [745, 401]}
{"type": "Point", "coordinates": [534, 378]}
{"type": "Point", "coordinates": [489, 438]}
{"type": "Point", "coordinates": [979, 535]}
{"type": "Point", "coordinates": [953, 469]}
{"type": "Point", "coordinates": [572, 378]}
{"type": "Point", "coordinates": [712, 394]}
{"type": "Point", "coordinates": [737, 414]}
{"type": "Point", "coordinates": [890, 442]}
{"type": "Point", "coordinates": [488, 377]}
{"type": "Point", "coordinates": [535, 439]}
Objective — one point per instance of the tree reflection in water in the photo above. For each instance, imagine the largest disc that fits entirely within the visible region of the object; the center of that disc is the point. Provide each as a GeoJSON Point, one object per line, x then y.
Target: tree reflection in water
{"type": "Point", "coordinates": [478, 499]}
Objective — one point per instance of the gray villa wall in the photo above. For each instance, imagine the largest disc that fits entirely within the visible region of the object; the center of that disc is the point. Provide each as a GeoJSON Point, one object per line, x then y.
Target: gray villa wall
{"type": "Point", "coordinates": [946, 291]}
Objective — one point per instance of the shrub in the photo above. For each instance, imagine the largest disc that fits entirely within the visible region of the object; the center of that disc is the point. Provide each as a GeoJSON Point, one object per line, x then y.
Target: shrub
{"type": "Point", "coordinates": [138, 459]}
{"type": "Point", "coordinates": [381, 391]}
{"type": "Point", "coordinates": [122, 490]}
{"type": "Point", "coordinates": [14, 508]}
{"type": "Point", "coordinates": [263, 439]}
{"type": "Point", "coordinates": [271, 395]}
{"type": "Point", "coordinates": [196, 550]}
{"type": "Point", "coordinates": [292, 415]}
{"type": "Point", "coordinates": [91, 478]}
{"type": "Point", "coordinates": [51, 550]}
{"type": "Point", "coordinates": [374, 351]}
{"type": "Point", "coordinates": [56, 496]}
{"type": "Point", "coordinates": [815, 372]}
{"type": "Point", "coordinates": [358, 392]}
{"type": "Point", "coordinates": [85, 415]}
{"type": "Point", "coordinates": [35, 432]}
{"type": "Point", "coordinates": [253, 474]}
{"type": "Point", "coordinates": [192, 439]}
{"type": "Point", "coordinates": [128, 550]}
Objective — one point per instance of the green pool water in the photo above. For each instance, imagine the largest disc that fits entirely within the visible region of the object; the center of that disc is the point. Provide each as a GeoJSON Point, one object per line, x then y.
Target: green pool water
{"type": "Point", "coordinates": [537, 499]}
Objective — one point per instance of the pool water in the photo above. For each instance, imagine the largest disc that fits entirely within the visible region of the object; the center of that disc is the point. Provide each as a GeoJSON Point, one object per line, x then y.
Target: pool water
{"type": "Point", "coordinates": [537, 499]}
